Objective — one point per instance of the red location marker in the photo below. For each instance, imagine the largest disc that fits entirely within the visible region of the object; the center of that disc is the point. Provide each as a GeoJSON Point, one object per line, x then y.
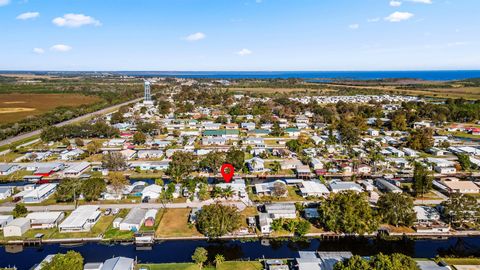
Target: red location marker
{"type": "Point", "coordinates": [227, 176]}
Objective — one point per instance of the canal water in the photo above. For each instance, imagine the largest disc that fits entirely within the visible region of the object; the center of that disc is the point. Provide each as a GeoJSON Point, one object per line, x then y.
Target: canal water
{"type": "Point", "coordinates": [181, 250]}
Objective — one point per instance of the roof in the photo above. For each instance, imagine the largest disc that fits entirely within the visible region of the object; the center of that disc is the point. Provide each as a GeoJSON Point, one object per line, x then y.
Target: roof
{"type": "Point", "coordinates": [313, 187]}
{"type": "Point", "coordinates": [77, 167]}
{"type": "Point", "coordinates": [80, 216]}
{"type": "Point", "coordinates": [19, 222]}
{"type": "Point", "coordinates": [135, 216]}
{"type": "Point", "coordinates": [117, 263]}
{"type": "Point", "coordinates": [461, 185]}
{"type": "Point", "coordinates": [40, 191]}
{"type": "Point", "coordinates": [44, 217]}
{"type": "Point", "coordinates": [430, 265]}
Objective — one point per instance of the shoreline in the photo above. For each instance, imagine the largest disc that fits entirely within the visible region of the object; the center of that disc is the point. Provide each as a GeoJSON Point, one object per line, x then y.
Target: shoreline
{"type": "Point", "coordinates": [321, 236]}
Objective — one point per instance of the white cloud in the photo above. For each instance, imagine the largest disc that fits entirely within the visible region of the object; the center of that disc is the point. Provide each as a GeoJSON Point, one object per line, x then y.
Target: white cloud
{"type": "Point", "coordinates": [354, 26]}
{"type": "Point", "coordinates": [75, 20]}
{"type": "Point", "coordinates": [4, 2]}
{"type": "Point", "coordinates": [196, 36]}
{"type": "Point", "coordinates": [60, 48]}
{"type": "Point", "coordinates": [38, 50]}
{"type": "Point", "coordinates": [395, 3]}
{"type": "Point", "coordinates": [244, 52]}
{"type": "Point", "coordinates": [28, 15]}
{"type": "Point", "coordinates": [457, 43]}
{"type": "Point", "coordinates": [422, 1]}
{"type": "Point", "coordinates": [373, 20]}
{"type": "Point", "coordinates": [399, 16]}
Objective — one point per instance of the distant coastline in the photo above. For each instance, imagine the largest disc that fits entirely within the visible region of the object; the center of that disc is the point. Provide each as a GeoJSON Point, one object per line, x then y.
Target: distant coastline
{"type": "Point", "coordinates": [433, 75]}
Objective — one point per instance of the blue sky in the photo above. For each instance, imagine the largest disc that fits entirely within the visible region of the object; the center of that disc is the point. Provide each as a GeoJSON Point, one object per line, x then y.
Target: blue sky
{"type": "Point", "coordinates": [239, 34]}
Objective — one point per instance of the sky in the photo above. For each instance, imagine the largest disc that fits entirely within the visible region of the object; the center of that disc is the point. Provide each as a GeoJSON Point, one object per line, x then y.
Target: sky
{"type": "Point", "coordinates": [239, 35]}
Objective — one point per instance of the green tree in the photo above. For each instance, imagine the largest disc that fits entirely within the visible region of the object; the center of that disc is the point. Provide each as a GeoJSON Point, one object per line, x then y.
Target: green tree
{"type": "Point", "coordinates": [94, 147]}
{"type": "Point", "coordinates": [465, 162]}
{"type": "Point", "coordinates": [114, 161]}
{"type": "Point", "coordinates": [461, 209]}
{"type": "Point", "coordinates": [92, 188]}
{"type": "Point", "coordinates": [396, 209]}
{"type": "Point", "coordinates": [421, 139]}
{"type": "Point", "coordinates": [72, 260]}
{"type": "Point", "coordinates": [354, 263]}
{"type": "Point", "coordinates": [399, 122]}
{"type": "Point", "coordinates": [213, 161]}
{"type": "Point", "coordinates": [118, 181]}
{"type": "Point", "coordinates": [20, 210]}
{"type": "Point", "coordinates": [216, 220]}
{"type": "Point", "coordinates": [422, 179]}
{"type": "Point", "coordinates": [139, 138]}
{"type": "Point", "coordinates": [182, 164]}
{"type": "Point", "coordinates": [219, 259]}
{"type": "Point", "coordinates": [68, 190]}
{"type": "Point", "coordinates": [302, 228]}
{"type": "Point", "coordinates": [200, 256]}
{"type": "Point", "coordinates": [235, 157]}
{"type": "Point", "coordinates": [347, 212]}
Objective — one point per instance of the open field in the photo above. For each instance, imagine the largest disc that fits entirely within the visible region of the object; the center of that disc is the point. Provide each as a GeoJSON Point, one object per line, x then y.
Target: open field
{"type": "Point", "coordinates": [174, 223]}
{"type": "Point", "coordinates": [15, 107]}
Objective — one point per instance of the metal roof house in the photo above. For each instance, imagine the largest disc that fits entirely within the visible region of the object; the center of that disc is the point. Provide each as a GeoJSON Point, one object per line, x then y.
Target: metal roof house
{"type": "Point", "coordinates": [134, 220]}
{"type": "Point", "coordinates": [45, 220]}
{"type": "Point", "coordinates": [40, 193]}
{"type": "Point", "coordinates": [81, 219]}
{"type": "Point", "coordinates": [118, 263]}
{"type": "Point", "coordinates": [311, 260]}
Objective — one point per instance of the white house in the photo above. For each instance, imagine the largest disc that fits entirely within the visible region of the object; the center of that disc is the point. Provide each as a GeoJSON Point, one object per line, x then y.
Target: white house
{"type": "Point", "coordinates": [16, 227]}
{"type": "Point", "coordinates": [76, 169]}
{"type": "Point", "coordinates": [134, 220]}
{"type": "Point", "coordinates": [313, 189]}
{"type": "Point", "coordinates": [81, 219]}
{"type": "Point", "coordinates": [5, 192]}
{"type": "Point", "coordinates": [152, 192]}
{"type": "Point", "coordinates": [7, 169]}
{"type": "Point", "coordinates": [40, 193]}
{"type": "Point", "coordinates": [4, 220]}
{"type": "Point", "coordinates": [256, 164]}
{"type": "Point", "coordinates": [45, 220]}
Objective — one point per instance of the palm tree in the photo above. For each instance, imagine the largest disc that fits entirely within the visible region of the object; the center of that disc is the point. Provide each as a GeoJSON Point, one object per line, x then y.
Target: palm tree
{"type": "Point", "coordinates": [276, 167]}
{"type": "Point", "coordinates": [228, 192]}
{"type": "Point", "coordinates": [219, 259]}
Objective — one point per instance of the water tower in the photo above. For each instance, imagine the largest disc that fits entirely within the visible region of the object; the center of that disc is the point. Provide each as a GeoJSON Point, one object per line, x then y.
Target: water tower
{"type": "Point", "coordinates": [147, 97]}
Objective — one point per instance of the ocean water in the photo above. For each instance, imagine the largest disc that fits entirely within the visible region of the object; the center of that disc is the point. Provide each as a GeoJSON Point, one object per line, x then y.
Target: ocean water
{"type": "Point", "coordinates": [446, 75]}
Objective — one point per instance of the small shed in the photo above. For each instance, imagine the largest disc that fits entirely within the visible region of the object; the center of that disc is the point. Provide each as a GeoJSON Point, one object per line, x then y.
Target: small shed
{"type": "Point", "coordinates": [116, 222]}
{"type": "Point", "coordinates": [16, 227]}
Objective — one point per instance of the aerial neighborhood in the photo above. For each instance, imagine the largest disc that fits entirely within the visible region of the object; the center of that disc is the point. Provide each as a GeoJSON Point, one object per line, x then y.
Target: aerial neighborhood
{"type": "Point", "coordinates": [303, 164]}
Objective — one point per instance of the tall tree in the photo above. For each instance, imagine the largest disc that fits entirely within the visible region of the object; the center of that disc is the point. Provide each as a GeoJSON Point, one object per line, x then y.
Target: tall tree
{"type": "Point", "coordinates": [422, 179]}
{"type": "Point", "coordinates": [68, 190]}
{"type": "Point", "coordinates": [139, 138]}
{"type": "Point", "coordinates": [215, 220]}
{"type": "Point", "coordinates": [114, 161]}
{"type": "Point", "coordinates": [92, 188]}
{"type": "Point", "coordinates": [396, 209]}
{"type": "Point", "coordinates": [20, 210]}
{"type": "Point", "coordinates": [72, 260]}
{"type": "Point", "coordinates": [461, 209]}
{"type": "Point", "coordinates": [118, 181]}
{"type": "Point", "coordinates": [200, 256]}
{"type": "Point", "coordinates": [182, 164]}
{"type": "Point", "coordinates": [235, 157]}
{"type": "Point", "coordinates": [347, 212]}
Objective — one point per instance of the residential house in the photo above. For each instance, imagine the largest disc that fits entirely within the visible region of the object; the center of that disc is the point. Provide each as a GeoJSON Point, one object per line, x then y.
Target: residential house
{"type": "Point", "coordinates": [16, 227]}
{"type": "Point", "coordinates": [134, 220]}
{"type": "Point", "coordinates": [313, 189]}
{"type": "Point", "coordinates": [7, 169]}
{"type": "Point", "coordinates": [40, 193]}
{"type": "Point", "coordinates": [81, 219]}
{"type": "Point", "coordinates": [45, 220]}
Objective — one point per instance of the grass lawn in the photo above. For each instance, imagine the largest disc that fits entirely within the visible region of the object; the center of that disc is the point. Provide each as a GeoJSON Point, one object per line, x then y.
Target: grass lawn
{"type": "Point", "coordinates": [191, 266]}
{"type": "Point", "coordinates": [174, 223]}
{"type": "Point", "coordinates": [15, 176]}
{"type": "Point", "coordinates": [170, 266]}
{"type": "Point", "coordinates": [248, 212]}
{"type": "Point", "coordinates": [462, 261]}
{"type": "Point", "coordinates": [100, 227]}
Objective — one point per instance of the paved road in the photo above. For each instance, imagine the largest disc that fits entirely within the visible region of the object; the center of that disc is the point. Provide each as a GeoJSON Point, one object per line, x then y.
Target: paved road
{"type": "Point", "coordinates": [77, 119]}
{"type": "Point", "coordinates": [69, 207]}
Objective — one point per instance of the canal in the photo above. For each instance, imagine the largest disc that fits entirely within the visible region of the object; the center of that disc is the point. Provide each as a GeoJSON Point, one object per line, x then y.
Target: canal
{"type": "Point", "coordinates": [181, 250]}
